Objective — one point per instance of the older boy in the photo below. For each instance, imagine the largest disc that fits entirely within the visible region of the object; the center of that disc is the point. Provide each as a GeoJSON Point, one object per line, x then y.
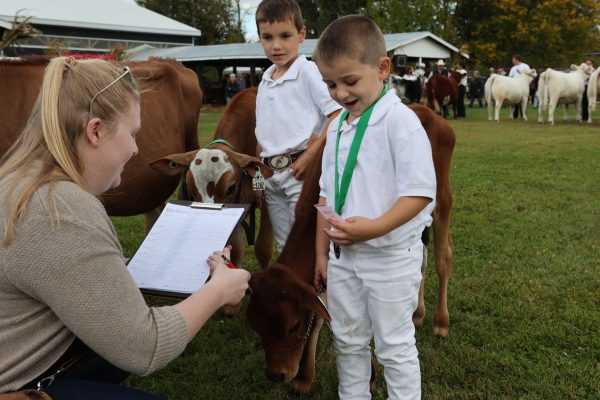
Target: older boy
{"type": "Point", "coordinates": [292, 104]}
{"type": "Point", "coordinates": [380, 145]}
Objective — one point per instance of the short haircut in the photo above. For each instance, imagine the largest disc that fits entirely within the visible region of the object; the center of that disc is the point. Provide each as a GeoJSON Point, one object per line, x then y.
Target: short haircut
{"type": "Point", "coordinates": [271, 11]}
{"type": "Point", "coordinates": [517, 57]}
{"type": "Point", "coordinates": [353, 36]}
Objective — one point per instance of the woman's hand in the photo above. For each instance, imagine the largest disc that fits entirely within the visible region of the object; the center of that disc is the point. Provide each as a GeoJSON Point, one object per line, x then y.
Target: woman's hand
{"type": "Point", "coordinates": [231, 284]}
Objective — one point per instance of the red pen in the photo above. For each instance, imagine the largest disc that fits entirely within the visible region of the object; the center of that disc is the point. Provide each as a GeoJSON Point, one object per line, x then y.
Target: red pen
{"type": "Point", "coordinates": [228, 262]}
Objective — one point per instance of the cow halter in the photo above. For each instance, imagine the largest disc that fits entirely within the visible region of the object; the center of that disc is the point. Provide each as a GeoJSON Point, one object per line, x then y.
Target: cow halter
{"type": "Point", "coordinates": [222, 141]}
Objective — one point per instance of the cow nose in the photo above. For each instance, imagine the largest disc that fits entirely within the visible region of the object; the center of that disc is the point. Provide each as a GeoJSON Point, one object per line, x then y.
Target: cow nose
{"type": "Point", "coordinates": [277, 377]}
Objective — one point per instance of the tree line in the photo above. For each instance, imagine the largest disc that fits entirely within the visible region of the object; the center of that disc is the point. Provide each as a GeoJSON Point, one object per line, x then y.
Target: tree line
{"type": "Point", "coordinates": [544, 32]}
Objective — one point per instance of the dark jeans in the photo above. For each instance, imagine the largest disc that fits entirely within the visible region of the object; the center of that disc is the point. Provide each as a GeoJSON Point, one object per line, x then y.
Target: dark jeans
{"type": "Point", "coordinates": [90, 378]}
{"type": "Point", "coordinates": [472, 100]}
{"type": "Point", "coordinates": [461, 112]}
{"type": "Point", "coordinates": [584, 105]}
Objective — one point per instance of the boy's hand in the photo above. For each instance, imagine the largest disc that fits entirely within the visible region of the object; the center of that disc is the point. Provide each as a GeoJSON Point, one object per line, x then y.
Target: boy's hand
{"type": "Point", "coordinates": [298, 167]}
{"type": "Point", "coordinates": [353, 230]}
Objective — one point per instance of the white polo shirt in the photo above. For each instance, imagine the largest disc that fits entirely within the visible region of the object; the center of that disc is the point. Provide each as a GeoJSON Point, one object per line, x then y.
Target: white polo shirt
{"type": "Point", "coordinates": [519, 67]}
{"type": "Point", "coordinates": [394, 160]}
{"type": "Point", "coordinates": [291, 108]}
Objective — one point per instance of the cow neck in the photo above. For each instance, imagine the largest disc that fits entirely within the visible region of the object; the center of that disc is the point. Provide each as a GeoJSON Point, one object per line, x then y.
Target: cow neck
{"type": "Point", "coordinates": [342, 190]}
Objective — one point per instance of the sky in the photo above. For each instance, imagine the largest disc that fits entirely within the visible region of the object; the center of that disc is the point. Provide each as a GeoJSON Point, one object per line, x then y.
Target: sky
{"type": "Point", "coordinates": [248, 10]}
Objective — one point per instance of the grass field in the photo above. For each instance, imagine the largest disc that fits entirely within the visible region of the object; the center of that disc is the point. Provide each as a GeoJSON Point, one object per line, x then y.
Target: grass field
{"type": "Point", "coordinates": [524, 297]}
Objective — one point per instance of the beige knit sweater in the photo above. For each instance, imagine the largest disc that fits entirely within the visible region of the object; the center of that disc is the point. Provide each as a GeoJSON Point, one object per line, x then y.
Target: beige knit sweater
{"type": "Point", "coordinates": [70, 279]}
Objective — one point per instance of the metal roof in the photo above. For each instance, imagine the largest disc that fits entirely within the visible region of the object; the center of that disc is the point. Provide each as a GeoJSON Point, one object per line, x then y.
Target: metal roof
{"type": "Point", "coordinates": [113, 15]}
{"type": "Point", "coordinates": [247, 51]}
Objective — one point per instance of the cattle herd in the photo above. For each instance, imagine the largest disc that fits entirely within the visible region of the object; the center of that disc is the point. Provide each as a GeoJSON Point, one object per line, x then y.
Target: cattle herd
{"type": "Point", "coordinates": [169, 154]}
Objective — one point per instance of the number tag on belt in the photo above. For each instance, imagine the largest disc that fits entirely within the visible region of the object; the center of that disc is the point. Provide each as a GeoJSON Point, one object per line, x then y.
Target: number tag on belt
{"type": "Point", "coordinates": [258, 182]}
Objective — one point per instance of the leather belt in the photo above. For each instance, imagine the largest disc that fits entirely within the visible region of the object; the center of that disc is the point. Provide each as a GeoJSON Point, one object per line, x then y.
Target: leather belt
{"type": "Point", "coordinates": [283, 161]}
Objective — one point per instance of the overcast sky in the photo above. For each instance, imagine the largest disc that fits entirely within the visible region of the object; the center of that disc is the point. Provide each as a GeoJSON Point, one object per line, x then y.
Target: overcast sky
{"type": "Point", "coordinates": [248, 10]}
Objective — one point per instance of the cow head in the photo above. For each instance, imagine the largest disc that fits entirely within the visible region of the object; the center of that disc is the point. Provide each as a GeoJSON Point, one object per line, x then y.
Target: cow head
{"type": "Point", "coordinates": [283, 310]}
{"type": "Point", "coordinates": [583, 67]}
{"type": "Point", "coordinates": [529, 72]}
{"type": "Point", "coordinates": [215, 175]}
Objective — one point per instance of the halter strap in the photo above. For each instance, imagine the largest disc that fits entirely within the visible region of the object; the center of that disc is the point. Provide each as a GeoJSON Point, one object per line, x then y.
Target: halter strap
{"type": "Point", "coordinates": [222, 141]}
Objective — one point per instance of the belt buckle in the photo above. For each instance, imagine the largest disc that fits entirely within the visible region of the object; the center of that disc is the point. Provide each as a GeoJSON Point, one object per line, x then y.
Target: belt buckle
{"type": "Point", "coordinates": [279, 163]}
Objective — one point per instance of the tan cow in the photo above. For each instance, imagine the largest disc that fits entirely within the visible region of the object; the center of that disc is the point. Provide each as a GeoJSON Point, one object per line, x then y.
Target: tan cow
{"type": "Point", "coordinates": [170, 105]}
{"type": "Point", "coordinates": [222, 172]}
{"type": "Point", "coordinates": [284, 309]}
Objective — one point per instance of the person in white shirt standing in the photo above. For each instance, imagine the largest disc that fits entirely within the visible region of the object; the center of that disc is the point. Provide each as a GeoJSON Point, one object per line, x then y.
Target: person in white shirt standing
{"type": "Point", "coordinates": [518, 65]}
{"type": "Point", "coordinates": [292, 105]}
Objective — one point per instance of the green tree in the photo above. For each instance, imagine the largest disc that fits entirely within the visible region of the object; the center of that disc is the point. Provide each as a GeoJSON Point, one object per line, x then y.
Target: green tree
{"type": "Point", "coordinates": [318, 14]}
{"type": "Point", "coordinates": [544, 32]}
{"type": "Point", "coordinates": [216, 19]}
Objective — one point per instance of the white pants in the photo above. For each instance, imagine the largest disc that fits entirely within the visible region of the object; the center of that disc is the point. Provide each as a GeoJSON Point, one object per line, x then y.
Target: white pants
{"type": "Point", "coordinates": [373, 293]}
{"type": "Point", "coordinates": [282, 192]}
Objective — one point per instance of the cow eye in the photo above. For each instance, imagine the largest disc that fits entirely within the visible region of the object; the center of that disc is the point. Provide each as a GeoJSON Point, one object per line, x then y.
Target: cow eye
{"type": "Point", "coordinates": [172, 164]}
{"type": "Point", "coordinates": [231, 190]}
{"type": "Point", "coordinates": [294, 328]}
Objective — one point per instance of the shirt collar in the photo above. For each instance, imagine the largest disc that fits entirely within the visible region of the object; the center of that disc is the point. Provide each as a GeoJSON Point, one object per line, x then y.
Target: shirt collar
{"type": "Point", "coordinates": [290, 74]}
{"type": "Point", "coordinates": [380, 109]}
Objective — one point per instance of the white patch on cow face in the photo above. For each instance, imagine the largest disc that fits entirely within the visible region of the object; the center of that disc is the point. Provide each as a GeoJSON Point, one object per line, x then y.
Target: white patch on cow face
{"type": "Point", "coordinates": [209, 166]}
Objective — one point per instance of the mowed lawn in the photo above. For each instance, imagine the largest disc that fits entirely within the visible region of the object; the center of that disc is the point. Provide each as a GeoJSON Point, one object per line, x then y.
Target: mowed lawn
{"type": "Point", "coordinates": [524, 297]}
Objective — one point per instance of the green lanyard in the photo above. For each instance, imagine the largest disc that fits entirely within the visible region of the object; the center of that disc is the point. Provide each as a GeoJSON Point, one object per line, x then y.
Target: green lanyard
{"type": "Point", "coordinates": [222, 141]}
{"type": "Point", "coordinates": [342, 191]}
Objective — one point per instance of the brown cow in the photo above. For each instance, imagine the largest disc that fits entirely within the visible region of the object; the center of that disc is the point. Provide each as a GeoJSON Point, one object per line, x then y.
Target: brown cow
{"type": "Point", "coordinates": [283, 304]}
{"type": "Point", "coordinates": [222, 172]}
{"type": "Point", "coordinates": [437, 89]}
{"type": "Point", "coordinates": [170, 105]}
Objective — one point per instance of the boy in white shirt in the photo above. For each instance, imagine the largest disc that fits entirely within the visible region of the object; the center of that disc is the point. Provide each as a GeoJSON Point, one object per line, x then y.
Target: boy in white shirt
{"type": "Point", "coordinates": [373, 286]}
{"type": "Point", "coordinates": [291, 107]}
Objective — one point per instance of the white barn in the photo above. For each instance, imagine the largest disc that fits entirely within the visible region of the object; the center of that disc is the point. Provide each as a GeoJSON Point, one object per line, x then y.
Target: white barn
{"type": "Point", "coordinates": [93, 26]}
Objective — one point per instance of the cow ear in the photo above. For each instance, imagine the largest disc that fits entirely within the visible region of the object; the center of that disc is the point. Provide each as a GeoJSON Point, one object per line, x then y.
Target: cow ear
{"type": "Point", "coordinates": [174, 164]}
{"type": "Point", "coordinates": [249, 164]}
{"type": "Point", "coordinates": [313, 302]}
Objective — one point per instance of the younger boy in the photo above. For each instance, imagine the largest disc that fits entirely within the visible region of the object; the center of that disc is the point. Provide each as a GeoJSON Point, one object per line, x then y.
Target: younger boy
{"type": "Point", "coordinates": [291, 107]}
{"type": "Point", "coordinates": [373, 286]}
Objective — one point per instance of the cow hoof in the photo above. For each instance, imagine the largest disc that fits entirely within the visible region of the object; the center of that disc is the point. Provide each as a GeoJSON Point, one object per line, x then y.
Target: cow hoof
{"type": "Point", "coordinates": [440, 331]}
{"type": "Point", "coordinates": [418, 322]}
{"type": "Point", "coordinates": [301, 386]}
{"type": "Point", "coordinates": [232, 311]}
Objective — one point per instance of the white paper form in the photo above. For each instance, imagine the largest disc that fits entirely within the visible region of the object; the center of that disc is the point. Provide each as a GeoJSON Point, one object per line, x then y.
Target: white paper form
{"type": "Point", "coordinates": [173, 255]}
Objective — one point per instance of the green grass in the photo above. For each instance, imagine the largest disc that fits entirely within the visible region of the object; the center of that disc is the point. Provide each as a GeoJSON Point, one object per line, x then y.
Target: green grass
{"type": "Point", "coordinates": [524, 297]}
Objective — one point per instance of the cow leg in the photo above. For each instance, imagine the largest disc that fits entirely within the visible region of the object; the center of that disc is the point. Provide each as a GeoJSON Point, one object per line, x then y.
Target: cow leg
{"type": "Point", "coordinates": [541, 107]}
{"type": "Point", "coordinates": [302, 382]}
{"type": "Point", "coordinates": [511, 111]}
{"type": "Point", "coordinates": [565, 112]}
{"type": "Point", "coordinates": [551, 108]}
{"type": "Point", "coordinates": [152, 216]}
{"type": "Point", "coordinates": [578, 110]}
{"type": "Point", "coordinates": [490, 108]}
{"type": "Point", "coordinates": [373, 379]}
{"type": "Point", "coordinates": [524, 108]}
{"type": "Point", "coordinates": [498, 107]}
{"type": "Point", "coordinates": [263, 247]}
{"type": "Point", "coordinates": [442, 242]}
{"type": "Point", "coordinates": [238, 251]}
{"type": "Point", "coordinates": [419, 314]}
{"type": "Point", "coordinates": [436, 106]}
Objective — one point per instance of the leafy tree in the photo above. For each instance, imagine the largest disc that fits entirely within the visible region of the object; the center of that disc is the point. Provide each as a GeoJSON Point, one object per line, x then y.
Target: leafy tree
{"type": "Point", "coordinates": [216, 19]}
{"type": "Point", "coordinates": [413, 15]}
{"type": "Point", "coordinates": [318, 14]}
{"type": "Point", "coordinates": [544, 32]}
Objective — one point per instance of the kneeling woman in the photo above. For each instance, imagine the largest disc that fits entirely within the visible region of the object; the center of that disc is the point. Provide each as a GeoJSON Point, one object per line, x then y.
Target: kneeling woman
{"type": "Point", "coordinates": [65, 291]}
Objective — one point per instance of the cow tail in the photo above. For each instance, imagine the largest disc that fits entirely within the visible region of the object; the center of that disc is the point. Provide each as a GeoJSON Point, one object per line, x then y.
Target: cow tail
{"type": "Point", "coordinates": [488, 94]}
{"type": "Point", "coordinates": [592, 93]}
{"type": "Point", "coordinates": [543, 90]}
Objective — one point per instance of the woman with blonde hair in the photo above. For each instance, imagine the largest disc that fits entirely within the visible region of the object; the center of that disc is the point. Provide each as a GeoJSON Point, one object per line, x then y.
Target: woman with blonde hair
{"type": "Point", "coordinates": [72, 321]}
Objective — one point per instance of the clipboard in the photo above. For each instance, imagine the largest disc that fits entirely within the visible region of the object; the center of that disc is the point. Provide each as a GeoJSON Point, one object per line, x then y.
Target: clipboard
{"type": "Point", "coordinates": [171, 261]}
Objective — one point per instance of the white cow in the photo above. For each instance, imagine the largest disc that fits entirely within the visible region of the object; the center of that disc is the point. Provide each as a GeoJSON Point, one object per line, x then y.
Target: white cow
{"type": "Point", "coordinates": [565, 88]}
{"type": "Point", "coordinates": [592, 93]}
{"type": "Point", "coordinates": [500, 90]}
